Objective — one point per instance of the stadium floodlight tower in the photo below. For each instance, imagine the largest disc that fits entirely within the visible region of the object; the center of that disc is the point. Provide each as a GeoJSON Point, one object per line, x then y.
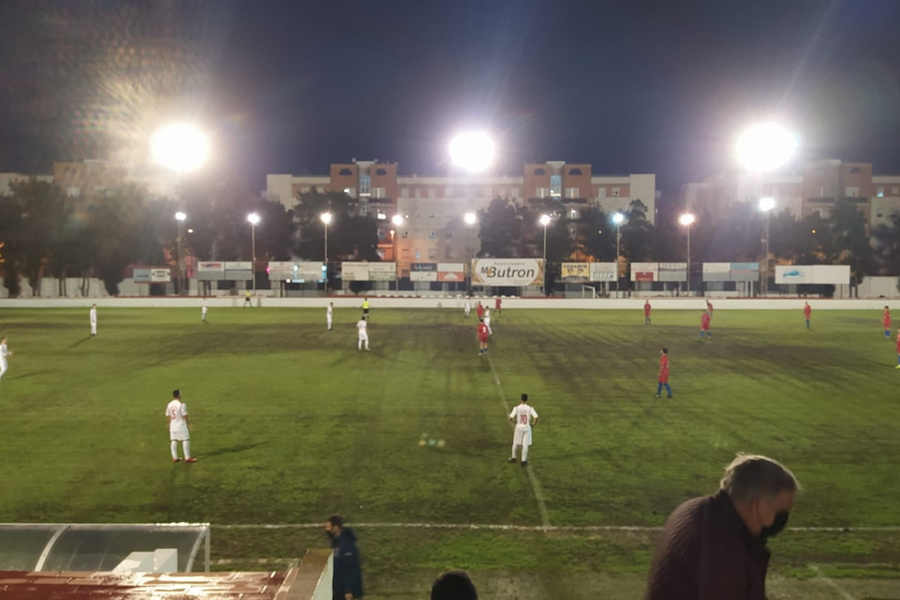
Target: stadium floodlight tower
{"type": "Point", "coordinates": [617, 219]}
{"type": "Point", "coordinates": [253, 219]}
{"type": "Point", "coordinates": [760, 149]}
{"type": "Point", "coordinates": [545, 220]}
{"type": "Point", "coordinates": [686, 220]}
{"type": "Point", "coordinates": [181, 148]}
{"type": "Point", "coordinates": [469, 219]}
{"type": "Point", "coordinates": [180, 216]}
{"type": "Point", "coordinates": [326, 218]}
{"type": "Point", "coordinates": [472, 151]}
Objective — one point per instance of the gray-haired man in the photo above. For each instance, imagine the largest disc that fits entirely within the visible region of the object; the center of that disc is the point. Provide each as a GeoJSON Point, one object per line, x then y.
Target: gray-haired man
{"type": "Point", "coordinates": [715, 547]}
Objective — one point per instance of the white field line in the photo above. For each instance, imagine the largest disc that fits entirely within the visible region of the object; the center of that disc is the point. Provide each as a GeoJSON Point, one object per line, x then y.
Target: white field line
{"type": "Point", "coordinates": [535, 485]}
{"type": "Point", "coordinates": [831, 583]}
{"type": "Point", "coordinates": [526, 528]}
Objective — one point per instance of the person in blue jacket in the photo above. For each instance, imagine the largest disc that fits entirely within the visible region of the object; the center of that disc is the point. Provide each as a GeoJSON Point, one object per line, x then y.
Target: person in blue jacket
{"type": "Point", "coordinates": [347, 581]}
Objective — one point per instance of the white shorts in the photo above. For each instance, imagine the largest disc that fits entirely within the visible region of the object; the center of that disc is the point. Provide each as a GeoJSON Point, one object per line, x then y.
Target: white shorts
{"type": "Point", "coordinates": [364, 337]}
{"type": "Point", "coordinates": [179, 435]}
{"type": "Point", "coordinates": [522, 436]}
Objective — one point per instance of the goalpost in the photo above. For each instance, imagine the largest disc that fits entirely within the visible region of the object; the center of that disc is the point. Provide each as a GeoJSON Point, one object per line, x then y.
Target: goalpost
{"type": "Point", "coordinates": [585, 288]}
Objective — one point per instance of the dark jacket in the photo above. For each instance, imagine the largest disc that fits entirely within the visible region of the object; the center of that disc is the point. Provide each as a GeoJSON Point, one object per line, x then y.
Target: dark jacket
{"type": "Point", "coordinates": [347, 571]}
{"type": "Point", "coordinates": [707, 553]}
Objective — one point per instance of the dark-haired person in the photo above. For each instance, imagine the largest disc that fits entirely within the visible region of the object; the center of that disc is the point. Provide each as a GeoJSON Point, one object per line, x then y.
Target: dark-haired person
{"type": "Point", "coordinates": [177, 417]}
{"type": "Point", "coordinates": [453, 585]}
{"type": "Point", "coordinates": [663, 379]}
{"type": "Point", "coordinates": [524, 416]}
{"type": "Point", "coordinates": [715, 547]}
{"type": "Point", "coordinates": [346, 582]}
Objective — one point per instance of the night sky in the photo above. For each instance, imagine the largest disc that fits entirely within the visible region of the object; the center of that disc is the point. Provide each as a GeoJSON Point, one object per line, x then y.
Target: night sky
{"type": "Point", "coordinates": [291, 86]}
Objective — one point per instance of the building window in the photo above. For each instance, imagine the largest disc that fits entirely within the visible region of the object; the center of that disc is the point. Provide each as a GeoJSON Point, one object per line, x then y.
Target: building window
{"type": "Point", "coordinates": [615, 192]}
{"type": "Point", "coordinates": [448, 252]}
{"type": "Point", "coordinates": [448, 234]}
{"type": "Point", "coordinates": [573, 214]}
{"type": "Point", "coordinates": [365, 185]}
{"type": "Point", "coordinates": [346, 172]}
{"type": "Point", "coordinates": [879, 215]}
{"type": "Point", "coordinates": [74, 191]}
{"type": "Point", "coordinates": [432, 235]}
{"type": "Point", "coordinates": [404, 192]}
{"type": "Point", "coordinates": [488, 192]}
{"type": "Point", "coordinates": [432, 192]}
{"type": "Point", "coordinates": [432, 253]}
{"type": "Point", "coordinates": [378, 192]}
{"type": "Point", "coordinates": [540, 172]}
{"type": "Point", "coordinates": [880, 193]}
{"type": "Point", "coordinates": [418, 255]}
{"type": "Point", "coordinates": [405, 234]}
{"type": "Point", "coordinates": [380, 233]}
{"type": "Point", "coordinates": [515, 192]}
{"type": "Point", "coordinates": [556, 186]}
{"type": "Point", "coordinates": [404, 253]}
{"type": "Point", "coordinates": [448, 192]}
{"type": "Point", "coordinates": [573, 192]}
{"type": "Point", "coordinates": [601, 192]}
{"type": "Point", "coordinates": [381, 172]}
{"type": "Point", "coordinates": [895, 190]}
{"type": "Point", "coordinates": [575, 171]}
{"type": "Point", "coordinates": [479, 193]}
{"type": "Point", "coordinates": [852, 192]}
{"type": "Point", "coordinates": [363, 207]}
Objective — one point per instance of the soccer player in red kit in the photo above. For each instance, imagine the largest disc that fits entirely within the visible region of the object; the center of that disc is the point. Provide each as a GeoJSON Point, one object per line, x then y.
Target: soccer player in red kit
{"type": "Point", "coordinates": [886, 319]}
{"type": "Point", "coordinates": [479, 310]}
{"type": "Point", "coordinates": [646, 312]}
{"type": "Point", "coordinates": [497, 304]}
{"type": "Point", "coordinates": [663, 373]}
{"type": "Point", "coordinates": [704, 324]}
{"type": "Point", "coordinates": [482, 337]}
{"type": "Point", "coordinates": [807, 312]}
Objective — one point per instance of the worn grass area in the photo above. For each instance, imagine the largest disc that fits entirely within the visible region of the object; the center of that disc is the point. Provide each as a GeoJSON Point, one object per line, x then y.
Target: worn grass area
{"type": "Point", "coordinates": [294, 424]}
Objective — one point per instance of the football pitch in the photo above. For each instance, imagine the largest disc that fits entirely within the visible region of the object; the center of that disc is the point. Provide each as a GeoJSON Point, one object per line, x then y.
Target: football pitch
{"type": "Point", "coordinates": [409, 442]}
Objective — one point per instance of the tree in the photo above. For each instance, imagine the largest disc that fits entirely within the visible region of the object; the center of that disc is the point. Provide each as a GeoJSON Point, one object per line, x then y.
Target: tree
{"type": "Point", "coordinates": [597, 235]}
{"type": "Point", "coordinates": [637, 233]}
{"type": "Point", "coordinates": [850, 241]}
{"type": "Point", "coordinates": [350, 235]}
{"type": "Point", "coordinates": [500, 229]}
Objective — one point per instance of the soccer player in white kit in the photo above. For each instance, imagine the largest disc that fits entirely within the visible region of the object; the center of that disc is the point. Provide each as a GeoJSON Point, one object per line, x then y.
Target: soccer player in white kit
{"type": "Point", "coordinates": [4, 352]}
{"type": "Point", "coordinates": [468, 306]}
{"type": "Point", "coordinates": [487, 320]}
{"type": "Point", "coordinates": [525, 417]}
{"type": "Point", "coordinates": [176, 414]}
{"type": "Point", "coordinates": [362, 328]}
{"type": "Point", "coordinates": [329, 314]}
{"type": "Point", "coordinates": [94, 319]}
{"type": "Point", "coordinates": [203, 310]}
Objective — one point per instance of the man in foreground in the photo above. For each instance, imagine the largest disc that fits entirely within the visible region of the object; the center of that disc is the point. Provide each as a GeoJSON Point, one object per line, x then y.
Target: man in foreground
{"type": "Point", "coordinates": [177, 417]}
{"type": "Point", "coordinates": [346, 582]}
{"type": "Point", "coordinates": [93, 319]}
{"type": "Point", "coordinates": [715, 547]}
{"type": "Point", "coordinates": [524, 416]}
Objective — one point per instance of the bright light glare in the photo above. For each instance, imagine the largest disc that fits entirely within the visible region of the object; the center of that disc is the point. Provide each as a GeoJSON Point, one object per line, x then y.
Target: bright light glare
{"type": "Point", "coordinates": [686, 219]}
{"type": "Point", "coordinates": [397, 220]}
{"type": "Point", "coordinates": [766, 204]}
{"type": "Point", "coordinates": [470, 218]}
{"type": "Point", "coordinates": [253, 218]}
{"type": "Point", "coordinates": [765, 147]}
{"type": "Point", "coordinates": [618, 218]}
{"type": "Point", "coordinates": [179, 147]}
{"type": "Point", "coordinates": [473, 151]}
{"type": "Point", "coordinates": [180, 216]}
{"type": "Point", "coordinates": [326, 218]}
{"type": "Point", "coordinates": [545, 220]}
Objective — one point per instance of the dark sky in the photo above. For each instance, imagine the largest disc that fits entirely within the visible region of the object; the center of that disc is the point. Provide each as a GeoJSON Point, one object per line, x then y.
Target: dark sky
{"type": "Point", "coordinates": [291, 86]}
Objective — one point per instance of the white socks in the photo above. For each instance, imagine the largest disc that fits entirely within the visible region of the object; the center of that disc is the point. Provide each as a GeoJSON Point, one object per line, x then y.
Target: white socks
{"type": "Point", "coordinates": [174, 447]}
{"type": "Point", "coordinates": [186, 445]}
{"type": "Point", "coordinates": [524, 452]}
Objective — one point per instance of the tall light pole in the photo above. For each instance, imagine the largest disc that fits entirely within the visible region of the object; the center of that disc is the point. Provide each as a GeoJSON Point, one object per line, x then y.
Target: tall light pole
{"type": "Point", "coordinates": [326, 221]}
{"type": "Point", "coordinates": [470, 219]}
{"type": "Point", "coordinates": [253, 218]}
{"type": "Point", "coordinates": [686, 220]}
{"type": "Point", "coordinates": [396, 221]}
{"type": "Point", "coordinates": [766, 205]}
{"type": "Point", "coordinates": [545, 220]}
{"type": "Point", "coordinates": [618, 219]}
{"type": "Point", "coordinates": [180, 217]}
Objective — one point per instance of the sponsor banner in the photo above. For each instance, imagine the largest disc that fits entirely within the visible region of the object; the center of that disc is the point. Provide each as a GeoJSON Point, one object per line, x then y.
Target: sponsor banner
{"type": "Point", "coordinates": [382, 271]}
{"type": "Point", "coordinates": [210, 271]}
{"type": "Point", "coordinates": [355, 271]}
{"type": "Point", "coordinates": [603, 271]}
{"type": "Point", "coordinates": [517, 272]}
{"type": "Point", "coordinates": [716, 271]}
{"type": "Point", "coordinates": [239, 265]}
{"type": "Point", "coordinates": [676, 272]}
{"type": "Point", "coordinates": [309, 271]}
{"type": "Point", "coordinates": [744, 271]}
{"type": "Point", "coordinates": [161, 275]}
{"type": "Point", "coordinates": [833, 274]}
{"type": "Point", "coordinates": [575, 272]}
{"type": "Point", "coordinates": [793, 274]}
{"type": "Point", "coordinates": [818, 274]}
{"type": "Point", "coordinates": [241, 270]}
{"type": "Point", "coordinates": [451, 272]}
{"type": "Point", "coordinates": [423, 272]}
{"type": "Point", "coordinates": [644, 271]}
{"type": "Point", "coordinates": [280, 270]}
{"type": "Point", "coordinates": [141, 276]}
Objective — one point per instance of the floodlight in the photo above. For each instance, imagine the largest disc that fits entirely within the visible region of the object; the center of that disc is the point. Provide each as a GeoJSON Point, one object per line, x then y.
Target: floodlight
{"type": "Point", "coordinates": [180, 216]}
{"type": "Point", "coordinates": [545, 220]}
{"type": "Point", "coordinates": [253, 218]}
{"type": "Point", "coordinates": [765, 147]}
{"type": "Point", "coordinates": [180, 147]}
{"type": "Point", "coordinates": [470, 218]}
{"type": "Point", "coordinates": [326, 218]}
{"type": "Point", "coordinates": [618, 218]}
{"type": "Point", "coordinates": [397, 220]}
{"type": "Point", "coordinates": [766, 204]}
{"type": "Point", "coordinates": [687, 219]}
{"type": "Point", "coordinates": [473, 151]}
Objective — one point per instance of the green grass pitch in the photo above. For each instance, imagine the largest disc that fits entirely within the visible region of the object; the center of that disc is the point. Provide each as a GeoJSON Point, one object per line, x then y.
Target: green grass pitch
{"type": "Point", "coordinates": [293, 424]}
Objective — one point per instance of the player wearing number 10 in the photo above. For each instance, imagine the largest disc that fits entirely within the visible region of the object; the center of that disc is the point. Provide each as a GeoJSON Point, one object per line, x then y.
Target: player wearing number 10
{"type": "Point", "coordinates": [522, 416]}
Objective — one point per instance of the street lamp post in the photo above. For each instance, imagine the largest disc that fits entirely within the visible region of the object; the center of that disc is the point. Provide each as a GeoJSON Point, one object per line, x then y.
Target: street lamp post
{"type": "Point", "coordinates": [326, 220]}
{"type": "Point", "coordinates": [618, 219]}
{"type": "Point", "coordinates": [545, 220]}
{"type": "Point", "coordinates": [470, 218]}
{"type": "Point", "coordinates": [180, 217]}
{"type": "Point", "coordinates": [253, 218]}
{"type": "Point", "coordinates": [766, 205]}
{"type": "Point", "coordinates": [686, 220]}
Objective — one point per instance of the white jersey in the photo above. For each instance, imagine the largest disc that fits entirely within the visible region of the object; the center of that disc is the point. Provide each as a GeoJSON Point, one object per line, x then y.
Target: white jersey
{"type": "Point", "coordinates": [362, 327]}
{"type": "Point", "coordinates": [523, 414]}
{"type": "Point", "coordinates": [4, 352]}
{"type": "Point", "coordinates": [487, 314]}
{"type": "Point", "coordinates": [328, 312]}
{"type": "Point", "coordinates": [204, 308]}
{"type": "Point", "coordinates": [176, 411]}
{"type": "Point", "coordinates": [93, 316]}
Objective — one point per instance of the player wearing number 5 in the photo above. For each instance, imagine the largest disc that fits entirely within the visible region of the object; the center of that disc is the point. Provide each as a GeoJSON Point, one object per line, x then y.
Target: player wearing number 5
{"type": "Point", "coordinates": [525, 417]}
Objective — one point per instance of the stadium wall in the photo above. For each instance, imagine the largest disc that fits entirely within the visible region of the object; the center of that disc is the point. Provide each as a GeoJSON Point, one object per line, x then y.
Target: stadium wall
{"type": "Point", "coordinates": [636, 304]}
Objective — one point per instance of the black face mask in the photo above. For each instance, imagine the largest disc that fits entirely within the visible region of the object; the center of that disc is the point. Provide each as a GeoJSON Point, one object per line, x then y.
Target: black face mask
{"type": "Point", "coordinates": [777, 525]}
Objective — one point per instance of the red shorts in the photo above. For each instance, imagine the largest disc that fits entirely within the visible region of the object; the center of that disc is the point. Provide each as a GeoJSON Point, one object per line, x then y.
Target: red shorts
{"type": "Point", "coordinates": [483, 339]}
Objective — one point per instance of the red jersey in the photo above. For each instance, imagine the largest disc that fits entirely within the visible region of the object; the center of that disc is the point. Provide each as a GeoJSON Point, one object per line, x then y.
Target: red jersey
{"type": "Point", "coordinates": [704, 322]}
{"type": "Point", "coordinates": [482, 332]}
{"type": "Point", "coordinates": [887, 319]}
{"type": "Point", "coordinates": [646, 309]}
{"type": "Point", "coordinates": [480, 310]}
{"type": "Point", "coordinates": [709, 306]}
{"type": "Point", "coordinates": [497, 304]}
{"type": "Point", "coordinates": [664, 368]}
{"type": "Point", "coordinates": [898, 343]}
{"type": "Point", "coordinates": [807, 310]}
